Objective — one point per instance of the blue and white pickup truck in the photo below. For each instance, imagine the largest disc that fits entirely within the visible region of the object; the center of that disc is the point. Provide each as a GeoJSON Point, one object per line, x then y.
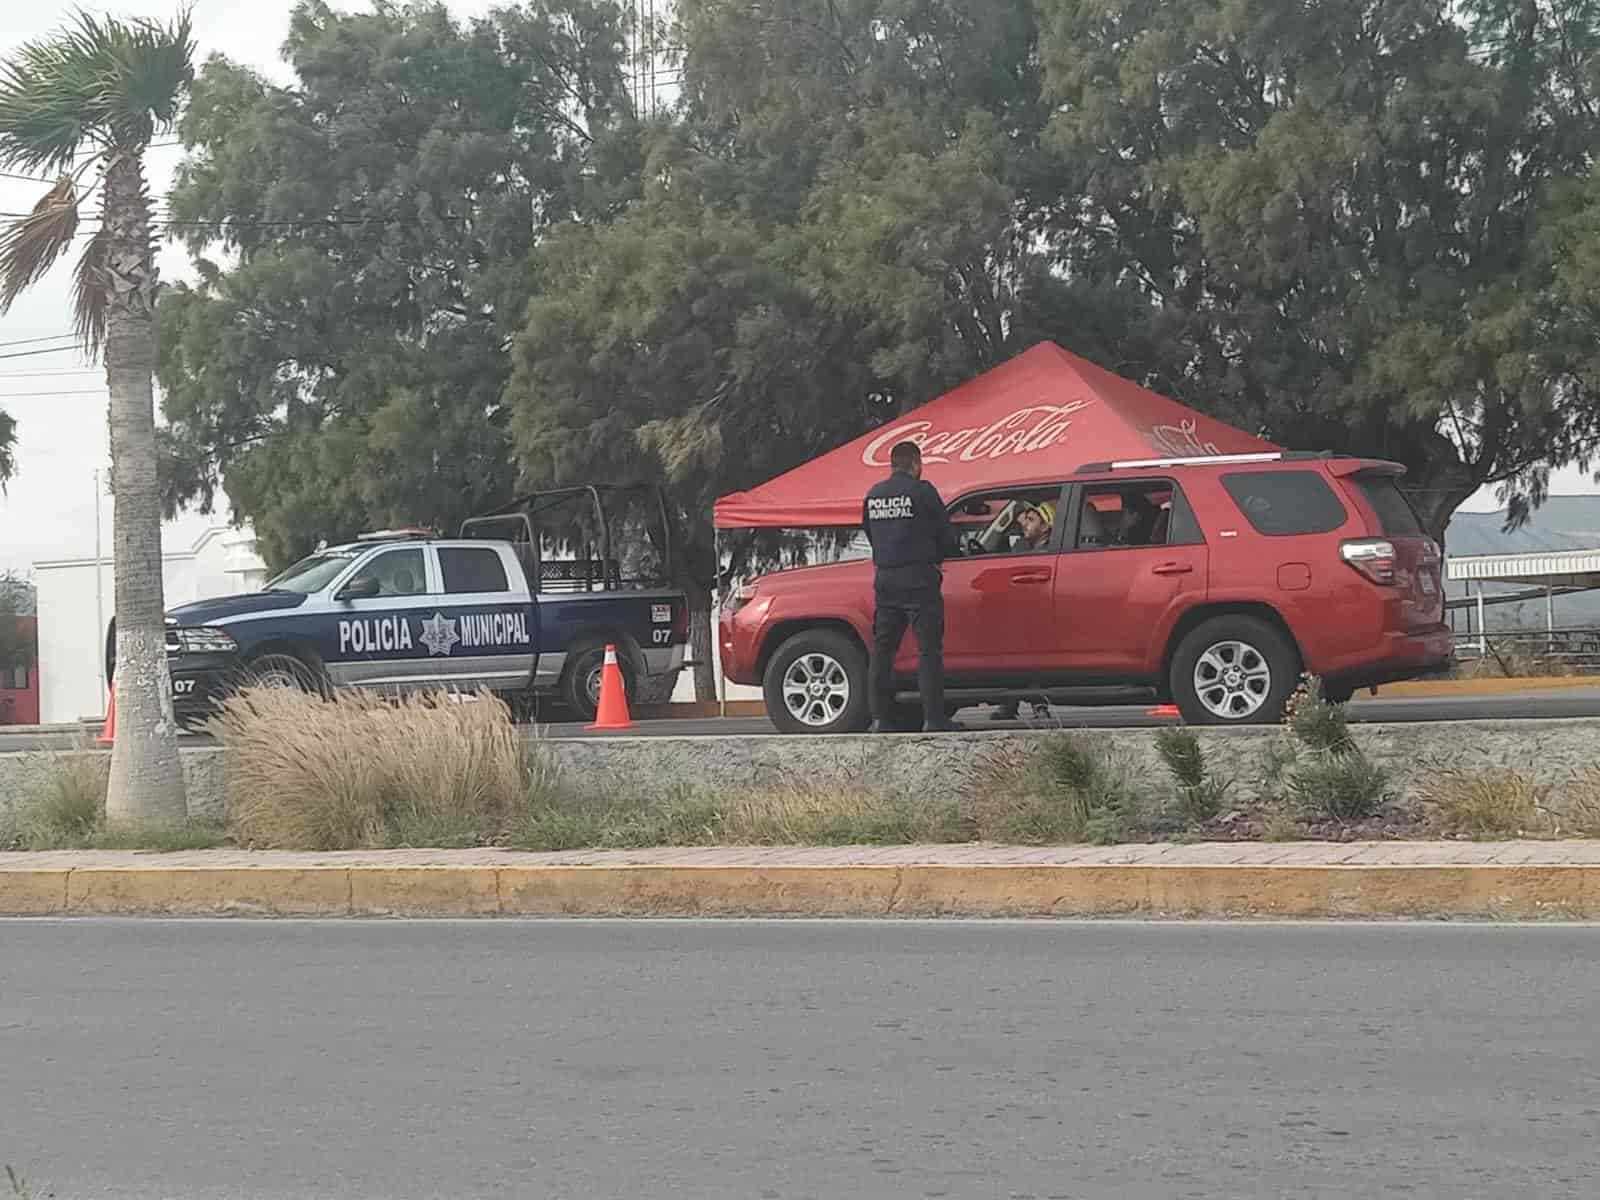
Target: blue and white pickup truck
{"type": "Point", "coordinates": [404, 611]}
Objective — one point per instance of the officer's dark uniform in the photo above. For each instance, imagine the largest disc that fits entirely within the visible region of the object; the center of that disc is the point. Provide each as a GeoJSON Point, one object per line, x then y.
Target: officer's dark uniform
{"type": "Point", "coordinates": [910, 532]}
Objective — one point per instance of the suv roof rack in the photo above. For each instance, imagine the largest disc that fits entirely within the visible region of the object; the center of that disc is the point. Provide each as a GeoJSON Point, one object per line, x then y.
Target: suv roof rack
{"type": "Point", "coordinates": [1141, 464]}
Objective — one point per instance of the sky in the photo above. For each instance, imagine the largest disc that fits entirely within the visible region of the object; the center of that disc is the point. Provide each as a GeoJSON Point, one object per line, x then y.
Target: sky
{"type": "Point", "coordinates": [59, 400]}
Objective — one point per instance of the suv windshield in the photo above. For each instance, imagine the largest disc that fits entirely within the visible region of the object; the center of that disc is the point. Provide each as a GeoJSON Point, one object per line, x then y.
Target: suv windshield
{"type": "Point", "coordinates": [312, 573]}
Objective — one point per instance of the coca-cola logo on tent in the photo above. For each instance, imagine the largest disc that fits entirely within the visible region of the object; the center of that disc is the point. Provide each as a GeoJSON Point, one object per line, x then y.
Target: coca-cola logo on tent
{"type": "Point", "coordinates": [1181, 441]}
{"type": "Point", "coordinates": [1025, 431]}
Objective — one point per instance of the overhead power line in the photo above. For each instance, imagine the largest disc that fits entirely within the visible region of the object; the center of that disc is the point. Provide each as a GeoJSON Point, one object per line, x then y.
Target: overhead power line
{"type": "Point", "coordinates": [54, 337]}
{"type": "Point", "coordinates": [31, 353]}
{"type": "Point", "coordinates": [34, 396]}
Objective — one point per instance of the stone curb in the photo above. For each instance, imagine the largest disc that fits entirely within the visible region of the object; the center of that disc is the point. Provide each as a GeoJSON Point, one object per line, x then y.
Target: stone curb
{"type": "Point", "coordinates": [1505, 892]}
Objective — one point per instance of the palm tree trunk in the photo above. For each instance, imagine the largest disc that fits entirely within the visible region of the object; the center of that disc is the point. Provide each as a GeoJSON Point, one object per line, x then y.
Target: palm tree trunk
{"type": "Point", "coordinates": [146, 775]}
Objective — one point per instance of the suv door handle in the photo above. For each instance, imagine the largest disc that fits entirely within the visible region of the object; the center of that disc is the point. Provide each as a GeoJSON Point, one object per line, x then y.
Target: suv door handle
{"type": "Point", "coordinates": [1171, 568]}
{"type": "Point", "coordinates": [1030, 577]}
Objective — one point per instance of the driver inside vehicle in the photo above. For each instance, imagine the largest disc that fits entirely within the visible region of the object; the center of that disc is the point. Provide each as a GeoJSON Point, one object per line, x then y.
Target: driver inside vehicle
{"type": "Point", "coordinates": [1035, 522]}
{"type": "Point", "coordinates": [1011, 524]}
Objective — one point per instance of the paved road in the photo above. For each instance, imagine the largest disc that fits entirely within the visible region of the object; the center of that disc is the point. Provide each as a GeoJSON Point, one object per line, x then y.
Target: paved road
{"type": "Point", "coordinates": [1578, 702]}
{"type": "Point", "coordinates": [786, 1060]}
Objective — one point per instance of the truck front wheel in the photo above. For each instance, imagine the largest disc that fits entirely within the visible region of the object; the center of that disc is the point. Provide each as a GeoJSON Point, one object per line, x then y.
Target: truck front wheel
{"type": "Point", "coordinates": [817, 683]}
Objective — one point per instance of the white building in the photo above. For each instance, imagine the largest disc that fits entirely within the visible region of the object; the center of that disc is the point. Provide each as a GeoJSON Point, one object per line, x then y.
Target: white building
{"type": "Point", "coordinates": [77, 600]}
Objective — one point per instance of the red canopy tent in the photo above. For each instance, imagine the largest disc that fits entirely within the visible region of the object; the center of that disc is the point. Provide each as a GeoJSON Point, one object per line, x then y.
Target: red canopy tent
{"type": "Point", "coordinates": [1045, 412]}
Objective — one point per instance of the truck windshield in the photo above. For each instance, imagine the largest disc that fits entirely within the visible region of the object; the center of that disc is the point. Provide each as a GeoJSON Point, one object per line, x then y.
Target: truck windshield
{"type": "Point", "coordinates": [312, 573]}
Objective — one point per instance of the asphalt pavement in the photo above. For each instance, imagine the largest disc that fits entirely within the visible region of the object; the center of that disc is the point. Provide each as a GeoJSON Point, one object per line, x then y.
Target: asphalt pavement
{"type": "Point", "coordinates": [1576, 702]}
{"type": "Point", "coordinates": [802, 1059]}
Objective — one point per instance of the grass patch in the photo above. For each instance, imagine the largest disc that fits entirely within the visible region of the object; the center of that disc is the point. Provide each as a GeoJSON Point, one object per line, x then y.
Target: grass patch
{"type": "Point", "coordinates": [784, 817]}
{"type": "Point", "coordinates": [1200, 792]}
{"type": "Point", "coordinates": [65, 810]}
{"type": "Point", "coordinates": [68, 806]}
{"type": "Point", "coordinates": [365, 772]}
{"type": "Point", "coordinates": [1496, 802]}
{"type": "Point", "coordinates": [1066, 792]}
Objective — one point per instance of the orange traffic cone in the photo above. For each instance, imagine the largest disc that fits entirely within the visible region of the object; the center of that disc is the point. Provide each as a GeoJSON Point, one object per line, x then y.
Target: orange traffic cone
{"type": "Point", "coordinates": [613, 711]}
{"type": "Point", "coordinates": [1164, 710]}
{"type": "Point", "coordinates": [108, 734]}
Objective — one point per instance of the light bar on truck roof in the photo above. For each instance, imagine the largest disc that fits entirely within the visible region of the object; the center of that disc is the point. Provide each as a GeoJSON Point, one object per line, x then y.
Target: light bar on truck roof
{"type": "Point", "coordinates": [395, 535]}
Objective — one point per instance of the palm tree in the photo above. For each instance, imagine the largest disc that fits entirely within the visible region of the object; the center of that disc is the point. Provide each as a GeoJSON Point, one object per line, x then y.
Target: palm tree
{"type": "Point", "coordinates": [8, 448]}
{"type": "Point", "coordinates": [87, 102]}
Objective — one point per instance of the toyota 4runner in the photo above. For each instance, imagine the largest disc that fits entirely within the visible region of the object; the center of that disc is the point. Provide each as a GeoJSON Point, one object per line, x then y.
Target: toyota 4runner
{"type": "Point", "coordinates": [1211, 583]}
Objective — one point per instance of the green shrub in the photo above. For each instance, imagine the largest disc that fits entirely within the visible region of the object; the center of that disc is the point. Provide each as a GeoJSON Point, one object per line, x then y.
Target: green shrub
{"type": "Point", "coordinates": [1344, 786]}
{"type": "Point", "coordinates": [1315, 723]}
{"type": "Point", "coordinates": [1200, 793]}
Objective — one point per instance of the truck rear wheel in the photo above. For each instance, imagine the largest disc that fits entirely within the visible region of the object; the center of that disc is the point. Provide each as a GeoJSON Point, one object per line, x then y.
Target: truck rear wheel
{"type": "Point", "coordinates": [580, 684]}
{"type": "Point", "coordinates": [817, 683]}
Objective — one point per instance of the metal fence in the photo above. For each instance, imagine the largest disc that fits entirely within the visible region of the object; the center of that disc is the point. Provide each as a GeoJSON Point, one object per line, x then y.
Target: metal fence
{"type": "Point", "coordinates": [1519, 650]}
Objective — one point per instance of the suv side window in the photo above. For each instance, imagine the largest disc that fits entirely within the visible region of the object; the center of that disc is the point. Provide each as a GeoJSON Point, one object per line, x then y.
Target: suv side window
{"type": "Point", "coordinates": [1015, 521]}
{"type": "Point", "coordinates": [398, 572]}
{"type": "Point", "coordinates": [1145, 512]}
{"type": "Point", "coordinates": [1285, 503]}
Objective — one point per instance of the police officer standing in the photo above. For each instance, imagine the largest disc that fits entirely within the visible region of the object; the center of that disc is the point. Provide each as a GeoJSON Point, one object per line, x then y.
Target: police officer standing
{"type": "Point", "coordinates": [910, 532]}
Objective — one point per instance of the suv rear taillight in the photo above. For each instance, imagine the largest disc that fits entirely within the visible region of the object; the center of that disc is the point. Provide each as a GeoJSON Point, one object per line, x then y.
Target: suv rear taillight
{"type": "Point", "coordinates": [1373, 557]}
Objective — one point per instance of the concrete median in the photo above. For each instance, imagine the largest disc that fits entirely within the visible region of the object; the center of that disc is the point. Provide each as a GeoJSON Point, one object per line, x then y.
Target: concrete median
{"type": "Point", "coordinates": [1507, 880]}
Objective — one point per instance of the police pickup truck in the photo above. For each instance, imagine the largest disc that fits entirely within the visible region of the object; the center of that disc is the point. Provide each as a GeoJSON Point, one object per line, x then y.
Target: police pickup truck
{"type": "Point", "coordinates": [404, 611]}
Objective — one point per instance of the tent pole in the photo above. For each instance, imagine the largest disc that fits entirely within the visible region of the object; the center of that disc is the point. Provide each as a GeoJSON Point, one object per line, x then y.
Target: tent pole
{"type": "Point", "coordinates": [716, 620]}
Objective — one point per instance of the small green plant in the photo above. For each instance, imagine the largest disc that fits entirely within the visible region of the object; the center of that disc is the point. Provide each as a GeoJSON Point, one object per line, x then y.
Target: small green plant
{"type": "Point", "coordinates": [1315, 723]}
{"type": "Point", "coordinates": [1496, 802]}
{"type": "Point", "coordinates": [1345, 786]}
{"type": "Point", "coordinates": [1200, 793]}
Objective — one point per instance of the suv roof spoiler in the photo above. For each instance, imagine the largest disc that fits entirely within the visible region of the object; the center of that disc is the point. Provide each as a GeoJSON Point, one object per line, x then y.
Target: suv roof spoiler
{"type": "Point", "coordinates": [1142, 464]}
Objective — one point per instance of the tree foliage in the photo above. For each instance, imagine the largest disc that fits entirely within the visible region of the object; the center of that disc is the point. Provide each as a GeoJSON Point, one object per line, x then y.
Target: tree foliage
{"type": "Point", "coordinates": [1333, 211]}
{"type": "Point", "coordinates": [346, 369]}
{"type": "Point", "coordinates": [1357, 225]}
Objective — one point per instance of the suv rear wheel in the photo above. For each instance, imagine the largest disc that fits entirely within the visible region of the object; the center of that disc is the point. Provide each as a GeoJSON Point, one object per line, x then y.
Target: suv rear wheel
{"type": "Point", "coordinates": [1234, 670]}
{"type": "Point", "coordinates": [817, 683]}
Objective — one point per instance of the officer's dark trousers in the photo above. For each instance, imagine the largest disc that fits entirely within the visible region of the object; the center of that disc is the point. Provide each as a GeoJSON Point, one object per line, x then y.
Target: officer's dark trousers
{"type": "Point", "coordinates": [908, 596]}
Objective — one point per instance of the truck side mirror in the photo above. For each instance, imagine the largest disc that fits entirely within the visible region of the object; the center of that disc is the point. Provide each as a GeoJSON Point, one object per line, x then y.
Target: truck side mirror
{"type": "Point", "coordinates": [365, 588]}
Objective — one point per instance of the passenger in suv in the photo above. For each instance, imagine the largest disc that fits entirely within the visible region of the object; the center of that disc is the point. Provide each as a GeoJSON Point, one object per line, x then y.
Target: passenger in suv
{"type": "Point", "coordinates": [1213, 583]}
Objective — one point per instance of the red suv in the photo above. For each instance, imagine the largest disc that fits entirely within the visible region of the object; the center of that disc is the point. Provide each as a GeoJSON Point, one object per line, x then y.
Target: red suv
{"type": "Point", "coordinates": [1212, 583]}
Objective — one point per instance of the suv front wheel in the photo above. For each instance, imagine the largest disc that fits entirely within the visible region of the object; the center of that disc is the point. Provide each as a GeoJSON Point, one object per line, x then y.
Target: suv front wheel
{"type": "Point", "coordinates": [817, 683]}
{"type": "Point", "coordinates": [1234, 670]}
